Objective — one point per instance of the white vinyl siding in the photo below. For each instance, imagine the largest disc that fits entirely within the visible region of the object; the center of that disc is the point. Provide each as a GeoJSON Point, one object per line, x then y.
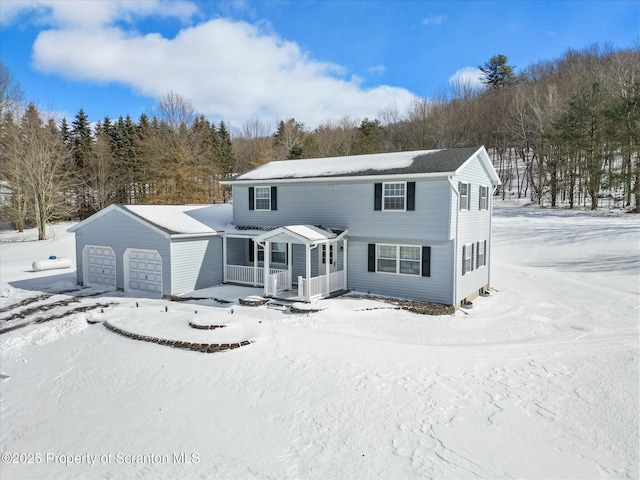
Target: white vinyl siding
{"type": "Point", "coordinates": [263, 198]}
{"type": "Point", "coordinates": [394, 196]}
{"type": "Point", "coordinates": [399, 259]}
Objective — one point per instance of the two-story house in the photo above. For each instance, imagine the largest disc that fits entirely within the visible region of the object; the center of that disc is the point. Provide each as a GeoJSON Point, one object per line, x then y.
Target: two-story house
{"type": "Point", "coordinates": [411, 225]}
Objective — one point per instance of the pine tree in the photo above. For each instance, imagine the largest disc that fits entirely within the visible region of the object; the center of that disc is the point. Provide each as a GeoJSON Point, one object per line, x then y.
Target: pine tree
{"type": "Point", "coordinates": [370, 137]}
{"type": "Point", "coordinates": [81, 151]}
{"type": "Point", "coordinates": [288, 141]}
{"type": "Point", "coordinates": [497, 72]}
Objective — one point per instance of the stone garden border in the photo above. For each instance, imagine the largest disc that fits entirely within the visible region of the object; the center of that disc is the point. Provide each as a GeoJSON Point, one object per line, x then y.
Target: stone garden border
{"type": "Point", "coordinates": [196, 347]}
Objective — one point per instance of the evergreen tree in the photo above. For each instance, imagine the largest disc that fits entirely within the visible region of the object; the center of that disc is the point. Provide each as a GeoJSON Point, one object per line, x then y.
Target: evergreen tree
{"type": "Point", "coordinates": [497, 72]}
{"type": "Point", "coordinates": [65, 134]}
{"type": "Point", "coordinates": [81, 138]}
{"type": "Point", "coordinates": [370, 137]}
{"type": "Point", "coordinates": [289, 140]}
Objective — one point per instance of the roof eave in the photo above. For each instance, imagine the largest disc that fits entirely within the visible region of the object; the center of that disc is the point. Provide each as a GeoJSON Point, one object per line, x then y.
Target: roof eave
{"type": "Point", "coordinates": [344, 178]}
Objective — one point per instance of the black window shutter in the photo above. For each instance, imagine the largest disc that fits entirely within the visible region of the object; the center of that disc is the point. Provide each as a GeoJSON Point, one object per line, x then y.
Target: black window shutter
{"type": "Point", "coordinates": [480, 198]}
{"type": "Point", "coordinates": [426, 261]}
{"type": "Point", "coordinates": [472, 245]}
{"type": "Point", "coordinates": [377, 198]}
{"type": "Point", "coordinates": [251, 257]}
{"type": "Point", "coordinates": [274, 198]}
{"type": "Point", "coordinates": [411, 196]}
{"type": "Point", "coordinates": [485, 253]}
{"type": "Point", "coordinates": [251, 198]}
{"type": "Point", "coordinates": [372, 257]}
{"type": "Point", "coordinates": [478, 255]}
{"type": "Point", "coordinates": [469, 199]}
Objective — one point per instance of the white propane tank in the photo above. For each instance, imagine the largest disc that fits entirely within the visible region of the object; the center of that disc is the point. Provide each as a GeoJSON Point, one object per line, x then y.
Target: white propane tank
{"type": "Point", "coordinates": [51, 263]}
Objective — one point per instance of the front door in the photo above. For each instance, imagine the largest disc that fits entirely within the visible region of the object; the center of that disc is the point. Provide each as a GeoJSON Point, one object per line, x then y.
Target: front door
{"type": "Point", "coordinates": [322, 258]}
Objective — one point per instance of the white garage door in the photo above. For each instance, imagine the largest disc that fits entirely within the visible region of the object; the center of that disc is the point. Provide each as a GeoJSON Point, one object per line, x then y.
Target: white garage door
{"type": "Point", "coordinates": [99, 266]}
{"type": "Point", "coordinates": [143, 270]}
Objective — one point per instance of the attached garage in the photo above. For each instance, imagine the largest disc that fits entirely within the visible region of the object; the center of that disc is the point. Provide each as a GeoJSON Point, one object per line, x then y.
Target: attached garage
{"type": "Point", "coordinates": [142, 271]}
{"type": "Point", "coordinates": [99, 263]}
{"type": "Point", "coordinates": [152, 250]}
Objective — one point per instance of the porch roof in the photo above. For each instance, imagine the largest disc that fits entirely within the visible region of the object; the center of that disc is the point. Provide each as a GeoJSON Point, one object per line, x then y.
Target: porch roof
{"type": "Point", "coordinates": [306, 234]}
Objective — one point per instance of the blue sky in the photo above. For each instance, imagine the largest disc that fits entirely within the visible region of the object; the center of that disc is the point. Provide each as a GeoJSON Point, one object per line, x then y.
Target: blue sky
{"type": "Point", "coordinates": [313, 60]}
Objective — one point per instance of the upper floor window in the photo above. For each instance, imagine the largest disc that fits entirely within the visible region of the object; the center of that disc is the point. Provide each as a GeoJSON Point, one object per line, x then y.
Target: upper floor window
{"type": "Point", "coordinates": [395, 196]}
{"type": "Point", "coordinates": [464, 189]}
{"type": "Point", "coordinates": [484, 198]}
{"type": "Point", "coordinates": [263, 198]}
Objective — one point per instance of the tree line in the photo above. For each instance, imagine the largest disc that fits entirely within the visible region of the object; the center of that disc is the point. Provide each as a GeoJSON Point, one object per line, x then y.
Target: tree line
{"type": "Point", "coordinates": [565, 131]}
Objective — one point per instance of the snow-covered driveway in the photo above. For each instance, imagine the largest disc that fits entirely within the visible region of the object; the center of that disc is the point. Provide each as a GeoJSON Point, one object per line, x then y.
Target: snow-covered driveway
{"type": "Point", "coordinates": [539, 380]}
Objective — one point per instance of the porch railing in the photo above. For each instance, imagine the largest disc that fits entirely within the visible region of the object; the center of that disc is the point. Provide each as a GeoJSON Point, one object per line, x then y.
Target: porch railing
{"type": "Point", "coordinates": [277, 282]}
{"type": "Point", "coordinates": [316, 287]}
{"type": "Point", "coordinates": [248, 275]}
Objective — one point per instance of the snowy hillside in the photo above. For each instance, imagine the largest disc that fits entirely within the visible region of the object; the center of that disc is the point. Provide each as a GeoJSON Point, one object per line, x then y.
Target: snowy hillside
{"type": "Point", "coordinates": [538, 380]}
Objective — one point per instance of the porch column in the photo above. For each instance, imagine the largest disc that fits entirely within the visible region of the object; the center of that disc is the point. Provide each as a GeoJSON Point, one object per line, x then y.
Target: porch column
{"type": "Point", "coordinates": [224, 258]}
{"type": "Point", "coordinates": [267, 257]}
{"type": "Point", "coordinates": [290, 261]}
{"type": "Point", "coordinates": [327, 266]}
{"type": "Point", "coordinates": [308, 271]}
{"type": "Point", "coordinates": [255, 264]}
{"type": "Point", "coordinates": [344, 261]}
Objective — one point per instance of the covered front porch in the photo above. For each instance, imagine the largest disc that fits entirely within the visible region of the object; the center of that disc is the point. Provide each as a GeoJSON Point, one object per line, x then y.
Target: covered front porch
{"type": "Point", "coordinates": [298, 262]}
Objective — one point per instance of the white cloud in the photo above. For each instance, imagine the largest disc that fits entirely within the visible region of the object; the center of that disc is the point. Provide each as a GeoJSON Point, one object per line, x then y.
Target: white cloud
{"type": "Point", "coordinates": [437, 20]}
{"type": "Point", "coordinates": [91, 14]}
{"type": "Point", "coordinates": [377, 69]}
{"type": "Point", "coordinates": [468, 76]}
{"type": "Point", "coordinates": [228, 69]}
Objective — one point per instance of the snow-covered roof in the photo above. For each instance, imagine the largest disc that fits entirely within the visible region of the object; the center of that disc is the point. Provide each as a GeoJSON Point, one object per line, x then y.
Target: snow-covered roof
{"type": "Point", "coordinates": [185, 219]}
{"type": "Point", "coordinates": [174, 219]}
{"type": "Point", "coordinates": [415, 162]}
{"type": "Point", "coordinates": [307, 234]}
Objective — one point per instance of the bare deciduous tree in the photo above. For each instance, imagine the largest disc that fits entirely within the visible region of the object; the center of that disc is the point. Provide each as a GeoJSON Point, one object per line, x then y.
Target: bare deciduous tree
{"type": "Point", "coordinates": [11, 95]}
{"type": "Point", "coordinates": [38, 152]}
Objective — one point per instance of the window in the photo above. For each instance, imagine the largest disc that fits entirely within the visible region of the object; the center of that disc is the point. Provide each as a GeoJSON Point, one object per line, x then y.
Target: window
{"type": "Point", "coordinates": [260, 251]}
{"type": "Point", "coordinates": [263, 198]}
{"type": "Point", "coordinates": [464, 188]}
{"type": "Point", "coordinates": [324, 253]}
{"type": "Point", "coordinates": [467, 258]}
{"type": "Point", "coordinates": [410, 260]}
{"type": "Point", "coordinates": [386, 258]}
{"type": "Point", "coordinates": [279, 253]}
{"type": "Point", "coordinates": [398, 259]}
{"type": "Point", "coordinates": [481, 258]}
{"type": "Point", "coordinates": [484, 197]}
{"type": "Point", "coordinates": [394, 195]}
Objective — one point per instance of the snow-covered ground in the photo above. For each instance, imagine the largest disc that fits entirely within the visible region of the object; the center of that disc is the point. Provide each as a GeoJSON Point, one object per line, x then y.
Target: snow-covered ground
{"type": "Point", "coordinates": [539, 380]}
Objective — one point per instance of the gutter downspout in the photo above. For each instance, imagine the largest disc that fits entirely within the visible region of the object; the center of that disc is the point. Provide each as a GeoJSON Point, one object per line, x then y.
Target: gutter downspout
{"type": "Point", "coordinates": [455, 241]}
{"type": "Point", "coordinates": [493, 192]}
